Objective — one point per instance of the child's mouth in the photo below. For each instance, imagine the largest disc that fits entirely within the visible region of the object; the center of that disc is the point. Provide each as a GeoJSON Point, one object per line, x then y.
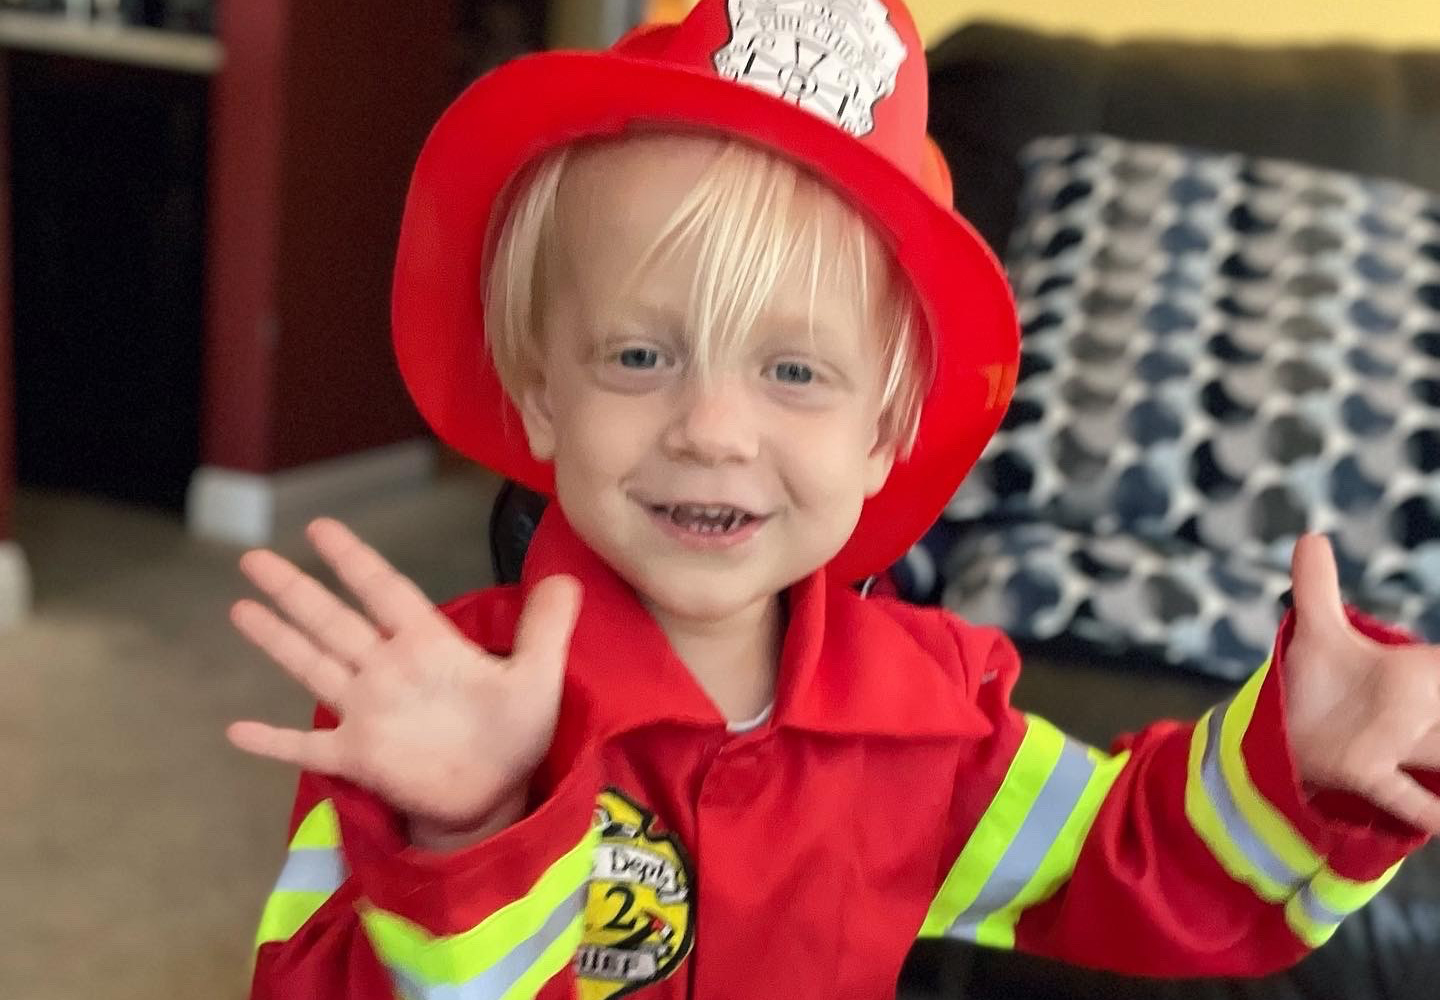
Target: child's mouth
{"type": "Point", "coordinates": [704, 519]}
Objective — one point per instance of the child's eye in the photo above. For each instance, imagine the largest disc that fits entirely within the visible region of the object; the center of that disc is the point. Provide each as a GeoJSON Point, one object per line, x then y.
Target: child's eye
{"type": "Point", "coordinates": [794, 373]}
{"type": "Point", "coordinates": [640, 358]}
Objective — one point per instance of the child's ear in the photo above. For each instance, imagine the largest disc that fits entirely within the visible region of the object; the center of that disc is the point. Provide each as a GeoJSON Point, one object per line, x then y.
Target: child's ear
{"type": "Point", "coordinates": [539, 423]}
{"type": "Point", "coordinates": [879, 463]}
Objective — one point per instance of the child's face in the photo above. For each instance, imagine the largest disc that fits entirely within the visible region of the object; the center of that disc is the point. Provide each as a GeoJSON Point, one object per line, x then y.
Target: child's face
{"type": "Point", "coordinates": [708, 494]}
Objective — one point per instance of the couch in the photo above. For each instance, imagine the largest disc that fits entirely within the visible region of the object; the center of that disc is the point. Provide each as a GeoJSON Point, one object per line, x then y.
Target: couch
{"type": "Point", "coordinates": [993, 89]}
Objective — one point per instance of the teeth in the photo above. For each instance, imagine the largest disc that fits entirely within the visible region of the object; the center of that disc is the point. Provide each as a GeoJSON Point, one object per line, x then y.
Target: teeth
{"type": "Point", "coordinates": [704, 519]}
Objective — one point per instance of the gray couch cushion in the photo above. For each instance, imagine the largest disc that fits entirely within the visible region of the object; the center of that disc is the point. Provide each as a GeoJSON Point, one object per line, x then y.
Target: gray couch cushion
{"type": "Point", "coordinates": [1221, 351]}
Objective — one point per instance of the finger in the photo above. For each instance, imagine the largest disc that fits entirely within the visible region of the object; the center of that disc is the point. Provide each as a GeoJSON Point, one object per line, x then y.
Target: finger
{"type": "Point", "coordinates": [392, 599]}
{"type": "Point", "coordinates": [338, 628]}
{"type": "Point", "coordinates": [321, 675]}
{"type": "Point", "coordinates": [1406, 799]}
{"type": "Point", "coordinates": [548, 622]}
{"type": "Point", "coordinates": [1316, 583]}
{"type": "Point", "coordinates": [315, 751]}
{"type": "Point", "coordinates": [1426, 753]}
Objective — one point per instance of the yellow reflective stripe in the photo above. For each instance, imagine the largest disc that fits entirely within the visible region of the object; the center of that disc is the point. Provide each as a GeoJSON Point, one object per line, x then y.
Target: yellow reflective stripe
{"type": "Point", "coordinates": [417, 957]}
{"type": "Point", "coordinates": [1204, 816]}
{"type": "Point", "coordinates": [319, 828]}
{"type": "Point", "coordinates": [1033, 762]}
{"type": "Point", "coordinates": [1316, 911]}
{"type": "Point", "coordinates": [1267, 821]}
{"type": "Point", "coordinates": [561, 951]}
{"type": "Point", "coordinates": [1312, 932]}
{"type": "Point", "coordinates": [1345, 895]}
{"type": "Point", "coordinates": [287, 912]}
{"type": "Point", "coordinates": [288, 909]}
{"type": "Point", "coordinates": [998, 929]}
{"type": "Point", "coordinates": [1253, 840]}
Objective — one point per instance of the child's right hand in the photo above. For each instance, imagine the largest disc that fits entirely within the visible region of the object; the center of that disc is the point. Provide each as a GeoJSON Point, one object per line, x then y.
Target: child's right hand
{"type": "Point", "coordinates": [442, 730]}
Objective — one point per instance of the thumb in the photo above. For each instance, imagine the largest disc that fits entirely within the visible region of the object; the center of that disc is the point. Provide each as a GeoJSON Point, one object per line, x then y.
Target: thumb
{"type": "Point", "coordinates": [1316, 585]}
{"type": "Point", "coordinates": [547, 623]}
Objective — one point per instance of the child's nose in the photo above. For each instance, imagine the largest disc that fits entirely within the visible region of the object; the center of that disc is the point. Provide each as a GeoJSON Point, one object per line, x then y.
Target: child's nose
{"type": "Point", "coordinates": [715, 424]}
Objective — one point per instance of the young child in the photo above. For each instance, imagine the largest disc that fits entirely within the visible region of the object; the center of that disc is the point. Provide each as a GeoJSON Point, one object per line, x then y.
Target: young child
{"type": "Point", "coordinates": [705, 289]}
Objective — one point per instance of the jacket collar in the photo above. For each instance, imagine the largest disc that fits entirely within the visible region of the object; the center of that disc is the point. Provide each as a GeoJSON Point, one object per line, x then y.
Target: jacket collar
{"type": "Point", "coordinates": [846, 668]}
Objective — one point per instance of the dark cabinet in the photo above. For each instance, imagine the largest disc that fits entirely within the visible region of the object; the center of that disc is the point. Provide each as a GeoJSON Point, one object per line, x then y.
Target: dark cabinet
{"type": "Point", "coordinates": [108, 201]}
{"type": "Point", "coordinates": [114, 338]}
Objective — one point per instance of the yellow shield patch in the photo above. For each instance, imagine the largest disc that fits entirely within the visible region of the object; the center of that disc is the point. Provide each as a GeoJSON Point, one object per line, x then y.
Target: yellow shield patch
{"type": "Point", "coordinates": [639, 916]}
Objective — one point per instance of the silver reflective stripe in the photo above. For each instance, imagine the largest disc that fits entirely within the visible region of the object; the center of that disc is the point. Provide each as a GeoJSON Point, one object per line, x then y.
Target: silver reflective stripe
{"type": "Point", "coordinates": [312, 869]}
{"type": "Point", "coordinates": [1315, 909]}
{"type": "Point", "coordinates": [1022, 859]}
{"type": "Point", "coordinates": [405, 986]}
{"type": "Point", "coordinates": [1241, 834]}
{"type": "Point", "coordinates": [497, 980]}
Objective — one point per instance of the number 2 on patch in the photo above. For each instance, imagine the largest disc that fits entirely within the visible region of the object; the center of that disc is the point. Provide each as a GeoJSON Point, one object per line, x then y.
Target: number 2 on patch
{"type": "Point", "coordinates": [627, 897]}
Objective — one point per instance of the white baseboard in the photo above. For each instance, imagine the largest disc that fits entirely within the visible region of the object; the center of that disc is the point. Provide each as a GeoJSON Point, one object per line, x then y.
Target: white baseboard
{"type": "Point", "coordinates": [15, 586]}
{"type": "Point", "coordinates": [244, 508]}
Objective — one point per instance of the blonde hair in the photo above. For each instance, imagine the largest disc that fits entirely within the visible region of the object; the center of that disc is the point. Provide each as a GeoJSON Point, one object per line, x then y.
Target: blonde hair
{"type": "Point", "coordinates": [751, 217]}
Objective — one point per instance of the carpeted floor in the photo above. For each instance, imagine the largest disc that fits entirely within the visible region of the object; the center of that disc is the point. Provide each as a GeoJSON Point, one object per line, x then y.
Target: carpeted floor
{"type": "Point", "coordinates": [135, 846]}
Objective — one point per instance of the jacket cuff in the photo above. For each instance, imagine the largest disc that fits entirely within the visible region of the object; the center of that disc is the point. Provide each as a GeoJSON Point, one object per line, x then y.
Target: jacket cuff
{"type": "Point", "coordinates": [1244, 799]}
{"type": "Point", "coordinates": [448, 893]}
{"type": "Point", "coordinates": [1354, 833]}
{"type": "Point", "coordinates": [1360, 837]}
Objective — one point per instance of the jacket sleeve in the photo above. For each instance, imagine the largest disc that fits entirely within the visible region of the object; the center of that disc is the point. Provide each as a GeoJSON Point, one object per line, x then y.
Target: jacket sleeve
{"type": "Point", "coordinates": [360, 913]}
{"type": "Point", "coordinates": [1190, 850]}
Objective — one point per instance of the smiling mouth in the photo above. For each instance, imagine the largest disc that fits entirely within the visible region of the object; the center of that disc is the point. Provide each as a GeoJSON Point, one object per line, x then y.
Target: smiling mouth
{"type": "Point", "coordinates": [704, 519]}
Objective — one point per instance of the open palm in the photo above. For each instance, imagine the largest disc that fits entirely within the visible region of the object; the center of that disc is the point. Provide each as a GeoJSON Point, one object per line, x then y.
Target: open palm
{"type": "Point", "coordinates": [1362, 715]}
{"type": "Point", "coordinates": [442, 730]}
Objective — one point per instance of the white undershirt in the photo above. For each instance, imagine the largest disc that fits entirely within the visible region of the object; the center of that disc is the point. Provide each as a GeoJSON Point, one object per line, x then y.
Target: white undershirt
{"type": "Point", "coordinates": [748, 725]}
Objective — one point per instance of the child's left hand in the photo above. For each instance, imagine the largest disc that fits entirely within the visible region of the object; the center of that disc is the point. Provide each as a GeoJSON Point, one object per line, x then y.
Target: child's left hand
{"type": "Point", "coordinates": [1358, 712]}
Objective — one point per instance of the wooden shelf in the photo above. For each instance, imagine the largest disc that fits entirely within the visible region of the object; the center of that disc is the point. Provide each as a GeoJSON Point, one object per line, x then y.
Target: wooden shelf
{"type": "Point", "coordinates": [169, 50]}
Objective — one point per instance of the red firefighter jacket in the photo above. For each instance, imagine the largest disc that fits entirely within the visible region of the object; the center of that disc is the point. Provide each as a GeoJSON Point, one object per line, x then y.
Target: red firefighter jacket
{"type": "Point", "coordinates": [893, 794]}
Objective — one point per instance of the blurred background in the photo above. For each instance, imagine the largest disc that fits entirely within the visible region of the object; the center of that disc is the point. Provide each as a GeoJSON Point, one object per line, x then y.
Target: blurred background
{"type": "Point", "coordinates": [198, 207]}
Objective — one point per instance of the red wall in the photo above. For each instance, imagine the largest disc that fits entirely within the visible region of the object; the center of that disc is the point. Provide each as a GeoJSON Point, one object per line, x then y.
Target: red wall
{"type": "Point", "coordinates": [241, 317]}
{"type": "Point", "coordinates": [318, 116]}
{"type": "Point", "coordinates": [7, 385]}
{"type": "Point", "coordinates": [366, 83]}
